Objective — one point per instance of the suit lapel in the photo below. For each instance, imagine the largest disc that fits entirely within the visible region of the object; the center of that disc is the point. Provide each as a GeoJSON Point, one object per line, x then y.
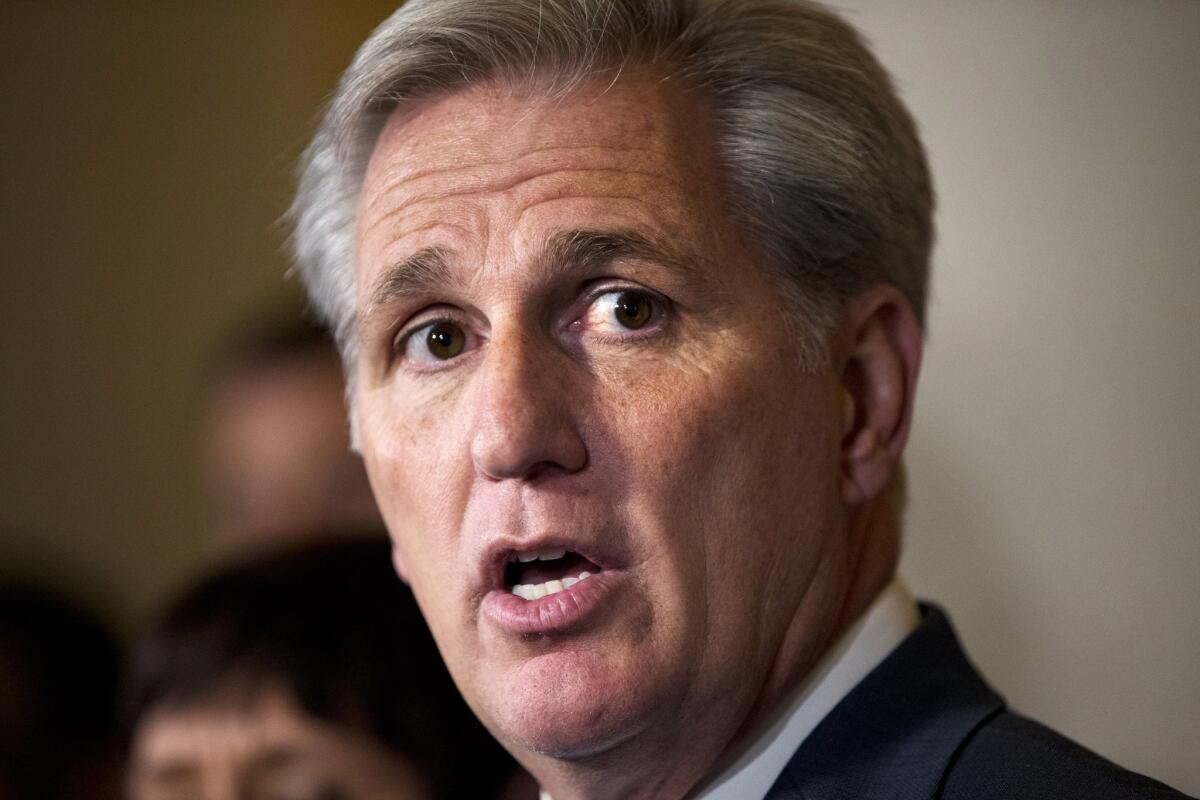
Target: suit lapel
{"type": "Point", "coordinates": [895, 735]}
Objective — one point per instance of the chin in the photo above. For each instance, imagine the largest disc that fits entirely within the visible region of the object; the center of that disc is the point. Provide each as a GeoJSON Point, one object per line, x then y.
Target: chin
{"type": "Point", "coordinates": [568, 706]}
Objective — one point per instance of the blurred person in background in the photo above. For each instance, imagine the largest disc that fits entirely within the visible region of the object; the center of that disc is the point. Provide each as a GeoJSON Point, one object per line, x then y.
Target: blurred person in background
{"type": "Point", "coordinates": [58, 688]}
{"type": "Point", "coordinates": [278, 465]}
{"type": "Point", "coordinates": [306, 674]}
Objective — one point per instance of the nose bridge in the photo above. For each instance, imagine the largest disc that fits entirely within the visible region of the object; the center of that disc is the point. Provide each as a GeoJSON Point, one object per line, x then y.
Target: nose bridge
{"type": "Point", "coordinates": [523, 423]}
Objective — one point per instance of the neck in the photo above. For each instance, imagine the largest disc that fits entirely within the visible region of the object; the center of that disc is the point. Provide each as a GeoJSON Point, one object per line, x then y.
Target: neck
{"type": "Point", "coordinates": [870, 554]}
{"type": "Point", "coordinates": [665, 765]}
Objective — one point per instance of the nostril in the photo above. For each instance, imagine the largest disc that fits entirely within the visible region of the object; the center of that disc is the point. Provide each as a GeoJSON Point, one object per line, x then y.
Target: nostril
{"type": "Point", "coordinates": [544, 468]}
{"type": "Point", "coordinates": [529, 454]}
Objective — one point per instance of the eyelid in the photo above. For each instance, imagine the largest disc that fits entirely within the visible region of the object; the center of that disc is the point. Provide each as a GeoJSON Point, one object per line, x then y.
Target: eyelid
{"type": "Point", "coordinates": [423, 318]}
{"type": "Point", "coordinates": [662, 307]}
{"type": "Point", "coordinates": [430, 315]}
{"type": "Point", "coordinates": [601, 287]}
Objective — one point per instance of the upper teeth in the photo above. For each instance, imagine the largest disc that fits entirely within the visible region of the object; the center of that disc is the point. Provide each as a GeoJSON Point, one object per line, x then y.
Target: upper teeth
{"type": "Point", "coordinates": [549, 554]}
{"type": "Point", "coordinates": [534, 591]}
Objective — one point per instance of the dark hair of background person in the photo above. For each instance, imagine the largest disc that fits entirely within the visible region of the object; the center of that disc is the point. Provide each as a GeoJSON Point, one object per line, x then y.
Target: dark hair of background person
{"type": "Point", "coordinates": [267, 338]}
{"type": "Point", "coordinates": [59, 669]}
{"type": "Point", "coordinates": [331, 624]}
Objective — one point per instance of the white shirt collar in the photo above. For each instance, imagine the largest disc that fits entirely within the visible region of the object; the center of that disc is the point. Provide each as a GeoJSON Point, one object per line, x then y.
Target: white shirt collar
{"type": "Point", "coordinates": [891, 617]}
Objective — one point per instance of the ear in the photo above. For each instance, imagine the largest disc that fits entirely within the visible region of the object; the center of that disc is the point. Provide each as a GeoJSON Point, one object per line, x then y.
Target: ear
{"type": "Point", "coordinates": [398, 563]}
{"type": "Point", "coordinates": [882, 356]}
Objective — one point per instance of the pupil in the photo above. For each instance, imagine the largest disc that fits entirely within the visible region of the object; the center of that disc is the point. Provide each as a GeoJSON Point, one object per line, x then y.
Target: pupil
{"type": "Point", "coordinates": [633, 310]}
{"type": "Point", "coordinates": [445, 340]}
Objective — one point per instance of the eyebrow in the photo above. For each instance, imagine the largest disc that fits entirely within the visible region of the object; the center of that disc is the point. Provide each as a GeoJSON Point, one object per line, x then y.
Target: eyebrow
{"type": "Point", "coordinates": [585, 250]}
{"type": "Point", "coordinates": [565, 252]}
{"type": "Point", "coordinates": [419, 272]}
{"type": "Point", "coordinates": [171, 772]}
{"type": "Point", "coordinates": [273, 760]}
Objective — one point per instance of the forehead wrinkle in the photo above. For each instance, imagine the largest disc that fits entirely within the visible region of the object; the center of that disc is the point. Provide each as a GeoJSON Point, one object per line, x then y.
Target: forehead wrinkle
{"type": "Point", "coordinates": [386, 193]}
{"type": "Point", "coordinates": [509, 186]}
{"type": "Point", "coordinates": [424, 226]}
{"type": "Point", "coordinates": [475, 184]}
{"type": "Point", "coordinates": [419, 224]}
{"type": "Point", "coordinates": [401, 176]}
{"type": "Point", "coordinates": [634, 199]}
{"type": "Point", "coordinates": [651, 184]}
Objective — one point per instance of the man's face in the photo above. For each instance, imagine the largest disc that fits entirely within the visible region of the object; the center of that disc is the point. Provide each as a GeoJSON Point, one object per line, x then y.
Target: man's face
{"type": "Point", "coordinates": [268, 749]}
{"type": "Point", "coordinates": [566, 346]}
{"type": "Point", "coordinates": [278, 457]}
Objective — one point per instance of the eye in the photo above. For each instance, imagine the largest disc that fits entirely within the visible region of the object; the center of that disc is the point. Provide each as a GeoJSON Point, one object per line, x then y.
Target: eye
{"type": "Point", "coordinates": [624, 310]}
{"type": "Point", "coordinates": [437, 341]}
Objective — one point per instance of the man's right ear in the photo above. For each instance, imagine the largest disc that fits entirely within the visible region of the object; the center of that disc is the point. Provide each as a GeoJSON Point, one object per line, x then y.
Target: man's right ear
{"type": "Point", "coordinates": [878, 381]}
{"type": "Point", "coordinates": [398, 564]}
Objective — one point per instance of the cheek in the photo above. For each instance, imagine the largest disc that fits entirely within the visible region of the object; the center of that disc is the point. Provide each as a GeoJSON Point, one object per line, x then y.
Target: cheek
{"type": "Point", "coordinates": [742, 428]}
{"type": "Point", "coordinates": [415, 470]}
{"type": "Point", "coordinates": [411, 443]}
{"type": "Point", "coordinates": [734, 475]}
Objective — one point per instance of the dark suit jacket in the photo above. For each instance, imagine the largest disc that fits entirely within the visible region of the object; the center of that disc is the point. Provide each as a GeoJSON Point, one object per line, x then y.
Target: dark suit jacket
{"type": "Point", "coordinates": [924, 725]}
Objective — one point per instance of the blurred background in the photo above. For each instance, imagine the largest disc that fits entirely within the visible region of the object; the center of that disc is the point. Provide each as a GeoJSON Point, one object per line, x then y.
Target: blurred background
{"type": "Point", "coordinates": [147, 154]}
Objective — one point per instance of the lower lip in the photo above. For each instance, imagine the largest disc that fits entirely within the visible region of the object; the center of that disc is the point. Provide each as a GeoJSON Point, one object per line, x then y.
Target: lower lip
{"type": "Point", "coordinates": [562, 612]}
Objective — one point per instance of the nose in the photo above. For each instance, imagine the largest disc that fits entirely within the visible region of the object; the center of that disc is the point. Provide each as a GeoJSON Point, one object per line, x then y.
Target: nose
{"type": "Point", "coordinates": [524, 425]}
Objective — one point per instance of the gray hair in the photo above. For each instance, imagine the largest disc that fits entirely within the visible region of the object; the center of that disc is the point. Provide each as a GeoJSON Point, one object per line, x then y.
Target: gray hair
{"type": "Point", "coordinates": [827, 175]}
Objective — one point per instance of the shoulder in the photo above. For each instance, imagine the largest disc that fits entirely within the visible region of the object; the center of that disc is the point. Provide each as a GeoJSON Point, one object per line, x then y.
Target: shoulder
{"type": "Point", "coordinates": [1012, 756]}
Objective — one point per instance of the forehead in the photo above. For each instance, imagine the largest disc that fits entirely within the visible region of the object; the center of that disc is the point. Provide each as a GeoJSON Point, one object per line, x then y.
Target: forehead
{"type": "Point", "coordinates": [494, 123]}
{"type": "Point", "coordinates": [224, 731]}
{"type": "Point", "coordinates": [638, 151]}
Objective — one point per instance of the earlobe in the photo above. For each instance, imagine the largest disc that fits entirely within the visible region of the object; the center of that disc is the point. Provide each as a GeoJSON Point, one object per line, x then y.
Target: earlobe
{"type": "Point", "coordinates": [398, 564]}
{"type": "Point", "coordinates": [879, 376]}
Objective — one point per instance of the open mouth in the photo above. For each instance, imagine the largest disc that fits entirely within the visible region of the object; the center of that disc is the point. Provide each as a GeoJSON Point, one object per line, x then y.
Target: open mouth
{"type": "Point", "coordinates": [538, 589]}
{"type": "Point", "coordinates": [534, 574]}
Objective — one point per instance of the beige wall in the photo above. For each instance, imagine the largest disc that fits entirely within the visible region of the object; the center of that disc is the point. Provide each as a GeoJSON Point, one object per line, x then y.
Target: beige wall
{"type": "Point", "coordinates": [1056, 453]}
{"type": "Point", "coordinates": [146, 155]}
